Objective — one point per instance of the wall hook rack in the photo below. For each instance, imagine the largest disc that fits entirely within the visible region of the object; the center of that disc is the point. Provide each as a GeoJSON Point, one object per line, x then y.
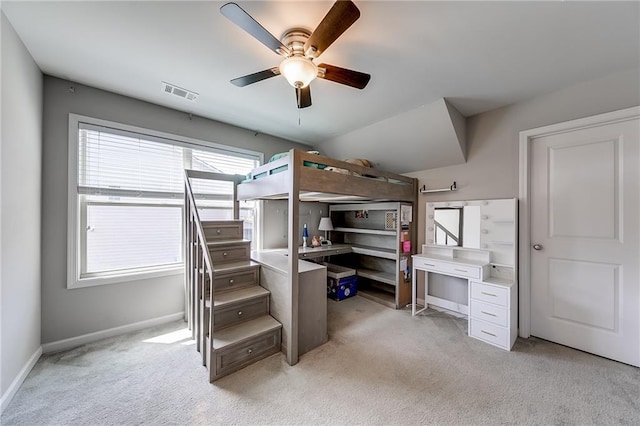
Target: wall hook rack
{"type": "Point", "coordinates": [424, 189]}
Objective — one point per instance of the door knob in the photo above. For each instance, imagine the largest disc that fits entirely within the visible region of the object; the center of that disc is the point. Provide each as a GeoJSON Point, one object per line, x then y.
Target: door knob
{"type": "Point", "coordinates": [537, 247]}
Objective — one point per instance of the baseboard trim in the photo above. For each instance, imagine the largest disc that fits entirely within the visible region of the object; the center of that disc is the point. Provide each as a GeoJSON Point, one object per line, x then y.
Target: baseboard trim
{"type": "Point", "coordinates": [74, 342]}
{"type": "Point", "coordinates": [20, 378]}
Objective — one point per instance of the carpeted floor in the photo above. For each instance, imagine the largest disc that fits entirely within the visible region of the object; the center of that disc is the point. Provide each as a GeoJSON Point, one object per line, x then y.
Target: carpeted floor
{"type": "Point", "coordinates": [380, 366]}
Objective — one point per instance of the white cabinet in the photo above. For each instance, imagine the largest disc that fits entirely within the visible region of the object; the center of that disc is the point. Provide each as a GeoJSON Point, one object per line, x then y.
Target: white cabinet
{"type": "Point", "coordinates": [493, 311]}
{"type": "Point", "coordinates": [381, 238]}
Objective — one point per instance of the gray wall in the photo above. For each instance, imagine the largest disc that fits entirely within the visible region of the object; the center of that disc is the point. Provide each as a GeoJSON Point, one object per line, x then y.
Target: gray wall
{"type": "Point", "coordinates": [70, 313]}
{"type": "Point", "coordinates": [491, 170]}
{"type": "Point", "coordinates": [20, 154]}
{"type": "Point", "coordinates": [275, 221]}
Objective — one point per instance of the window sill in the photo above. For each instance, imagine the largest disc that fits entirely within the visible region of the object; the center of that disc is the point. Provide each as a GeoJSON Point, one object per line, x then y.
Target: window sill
{"type": "Point", "coordinates": [124, 277]}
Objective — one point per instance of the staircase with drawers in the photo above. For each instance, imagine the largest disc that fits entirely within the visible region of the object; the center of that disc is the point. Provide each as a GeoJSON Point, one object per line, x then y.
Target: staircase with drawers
{"type": "Point", "coordinates": [228, 309]}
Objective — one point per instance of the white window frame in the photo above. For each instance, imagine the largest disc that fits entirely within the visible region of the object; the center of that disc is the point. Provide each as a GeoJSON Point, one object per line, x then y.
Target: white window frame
{"type": "Point", "coordinates": [74, 253]}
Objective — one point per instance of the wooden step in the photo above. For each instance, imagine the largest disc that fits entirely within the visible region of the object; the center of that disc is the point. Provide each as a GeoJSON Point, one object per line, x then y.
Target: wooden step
{"type": "Point", "coordinates": [221, 300]}
{"type": "Point", "coordinates": [241, 345]}
{"type": "Point", "coordinates": [233, 267]}
{"type": "Point", "coordinates": [232, 297]}
{"type": "Point", "coordinates": [244, 332]}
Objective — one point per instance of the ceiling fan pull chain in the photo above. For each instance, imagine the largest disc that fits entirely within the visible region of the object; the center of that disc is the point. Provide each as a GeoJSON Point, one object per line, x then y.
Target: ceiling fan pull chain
{"type": "Point", "coordinates": [298, 117]}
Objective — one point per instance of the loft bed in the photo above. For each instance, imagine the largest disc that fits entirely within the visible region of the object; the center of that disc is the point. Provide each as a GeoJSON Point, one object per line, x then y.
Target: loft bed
{"type": "Point", "coordinates": [319, 178]}
{"type": "Point", "coordinates": [302, 176]}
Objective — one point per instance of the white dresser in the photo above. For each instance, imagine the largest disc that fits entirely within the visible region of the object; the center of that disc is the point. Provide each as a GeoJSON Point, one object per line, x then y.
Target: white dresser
{"type": "Point", "coordinates": [492, 305]}
{"type": "Point", "coordinates": [485, 256]}
{"type": "Point", "coordinates": [493, 311]}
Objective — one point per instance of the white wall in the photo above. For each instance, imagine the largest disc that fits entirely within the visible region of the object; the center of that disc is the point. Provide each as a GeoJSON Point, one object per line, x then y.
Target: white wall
{"type": "Point", "coordinates": [20, 179]}
{"type": "Point", "coordinates": [491, 170]}
{"type": "Point", "coordinates": [71, 313]}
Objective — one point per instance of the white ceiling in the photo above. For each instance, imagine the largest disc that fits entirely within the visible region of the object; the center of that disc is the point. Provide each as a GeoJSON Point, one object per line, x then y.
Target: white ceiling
{"type": "Point", "coordinates": [477, 55]}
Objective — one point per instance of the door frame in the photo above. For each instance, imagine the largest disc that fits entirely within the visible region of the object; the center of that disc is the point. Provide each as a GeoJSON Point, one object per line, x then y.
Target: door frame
{"type": "Point", "coordinates": [524, 246]}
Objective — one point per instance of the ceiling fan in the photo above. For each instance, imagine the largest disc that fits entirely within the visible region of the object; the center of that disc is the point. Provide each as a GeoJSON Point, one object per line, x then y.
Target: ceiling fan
{"type": "Point", "coordinates": [299, 47]}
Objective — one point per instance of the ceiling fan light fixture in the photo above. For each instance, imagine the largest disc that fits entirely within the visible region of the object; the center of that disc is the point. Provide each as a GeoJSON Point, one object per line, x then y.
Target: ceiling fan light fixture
{"type": "Point", "coordinates": [299, 71]}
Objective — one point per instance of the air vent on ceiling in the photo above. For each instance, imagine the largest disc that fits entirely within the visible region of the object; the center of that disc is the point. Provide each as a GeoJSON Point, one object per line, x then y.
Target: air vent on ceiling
{"type": "Point", "coordinates": [178, 91]}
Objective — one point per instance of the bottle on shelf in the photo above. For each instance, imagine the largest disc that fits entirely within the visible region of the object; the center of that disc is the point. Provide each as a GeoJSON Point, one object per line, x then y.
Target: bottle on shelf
{"type": "Point", "coordinates": [305, 235]}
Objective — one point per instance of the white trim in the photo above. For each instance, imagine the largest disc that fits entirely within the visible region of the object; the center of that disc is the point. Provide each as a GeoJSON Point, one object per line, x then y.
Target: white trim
{"type": "Point", "coordinates": [526, 139]}
{"type": "Point", "coordinates": [130, 275]}
{"type": "Point", "coordinates": [19, 380]}
{"type": "Point", "coordinates": [74, 342]}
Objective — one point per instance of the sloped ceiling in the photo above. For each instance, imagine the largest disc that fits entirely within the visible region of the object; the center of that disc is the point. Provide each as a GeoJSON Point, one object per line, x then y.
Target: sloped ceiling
{"type": "Point", "coordinates": [426, 137]}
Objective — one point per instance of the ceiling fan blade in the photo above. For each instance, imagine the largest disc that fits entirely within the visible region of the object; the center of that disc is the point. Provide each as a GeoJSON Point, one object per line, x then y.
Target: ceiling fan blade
{"type": "Point", "coordinates": [256, 77]}
{"type": "Point", "coordinates": [340, 17]}
{"type": "Point", "coordinates": [303, 96]}
{"type": "Point", "coordinates": [356, 79]}
{"type": "Point", "coordinates": [238, 16]}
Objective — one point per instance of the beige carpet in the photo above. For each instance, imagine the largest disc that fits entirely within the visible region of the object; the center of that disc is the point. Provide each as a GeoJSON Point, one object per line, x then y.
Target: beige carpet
{"type": "Point", "coordinates": [380, 366]}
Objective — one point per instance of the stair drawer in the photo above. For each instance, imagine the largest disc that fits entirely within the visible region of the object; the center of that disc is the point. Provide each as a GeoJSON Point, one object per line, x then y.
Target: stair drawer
{"type": "Point", "coordinates": [236, 280]}
{"type": "Point", "coordinates": [224, 317]}
{"type": "Point", "coordinates": [222, 231]}
{"type": "Point", "coordinates": [235, 357]}
{"type": "Point", "coordinates": [488, 312]}
{"type": "Point", "coordinates": [230, 254]}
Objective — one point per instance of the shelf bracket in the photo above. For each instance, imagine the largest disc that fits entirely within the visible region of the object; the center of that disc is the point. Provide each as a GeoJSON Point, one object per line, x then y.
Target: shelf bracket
{"type": "Point", "coordinates": [424, 189]}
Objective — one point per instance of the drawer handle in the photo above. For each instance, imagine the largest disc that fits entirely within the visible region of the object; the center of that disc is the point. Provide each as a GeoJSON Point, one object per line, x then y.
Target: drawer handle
{"type": "Point", "coordinates": [224, 254]}
{"type": "Point", "coordinates": [488, 313]}
{"type": "Point", "coordinates": [218, 231]}
{"type": "Point", "coordinates": [460, 270]}
{"type": "Point", "coordinates": [249, 351]}
{"type": "Point", "coordinates": [429, 264]}
{"type": "Point", "coordinates": [239, 313]}
{"type": "Point", "coordinates": [231, 281]}
{"type": "Point", "coordinates": [488, 294]}
{"type": "Point", "coordinates": [486, 332]}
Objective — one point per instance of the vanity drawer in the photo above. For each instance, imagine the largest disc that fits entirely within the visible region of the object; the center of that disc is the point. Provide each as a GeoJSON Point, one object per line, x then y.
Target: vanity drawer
{"type": "Point", "coordinates": [488, 312]}
{"type": "Point", "coordinates": [227, 254]}
{"type": "Point", "coordinates": [489, 293]}
{"type": "Point", "coordinates": [449, 268]}
{"type": "Point", "coordinates": [491, 333]}
{"type": "Point", "coordinates": [463, 270]}
{"type": "Point", "coordinates": [236, 280]}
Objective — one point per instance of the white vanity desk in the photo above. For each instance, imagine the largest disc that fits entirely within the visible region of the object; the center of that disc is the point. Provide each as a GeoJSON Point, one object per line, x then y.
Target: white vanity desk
{"type": "Point", "coordinates": [490, 271]}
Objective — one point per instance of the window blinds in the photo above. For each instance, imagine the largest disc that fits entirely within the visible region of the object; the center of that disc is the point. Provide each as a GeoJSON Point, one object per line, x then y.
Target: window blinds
{"type": "Point", "coordinates": [131, 191]}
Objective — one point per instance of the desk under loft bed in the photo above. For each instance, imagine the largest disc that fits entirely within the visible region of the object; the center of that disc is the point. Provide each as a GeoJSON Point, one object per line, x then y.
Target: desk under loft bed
{"type": "Point", "coordinates": [301, 177]}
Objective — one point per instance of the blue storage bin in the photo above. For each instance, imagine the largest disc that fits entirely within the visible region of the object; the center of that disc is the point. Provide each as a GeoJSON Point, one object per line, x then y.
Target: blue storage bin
{"type": "Point", "coordinates": [341, 282]}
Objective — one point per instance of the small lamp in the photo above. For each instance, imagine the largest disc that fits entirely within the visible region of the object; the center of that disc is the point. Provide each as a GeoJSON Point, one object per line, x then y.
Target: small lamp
{"type": "Point", "coordinates": [325, 225]}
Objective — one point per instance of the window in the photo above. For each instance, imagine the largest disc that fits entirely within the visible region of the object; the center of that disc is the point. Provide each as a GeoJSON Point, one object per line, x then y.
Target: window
{"type": "Point", "coordinates": [126, 194]}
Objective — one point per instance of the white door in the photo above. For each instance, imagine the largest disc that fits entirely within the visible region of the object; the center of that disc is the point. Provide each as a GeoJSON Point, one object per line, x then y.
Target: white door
{"type": "Point", "coordinates": [585, 215]}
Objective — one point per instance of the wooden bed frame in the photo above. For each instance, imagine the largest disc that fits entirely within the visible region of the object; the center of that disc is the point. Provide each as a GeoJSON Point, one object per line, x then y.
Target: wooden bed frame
{"type": "Point", "coordinates": [289, 178]}
{"type": "Point", "coordinates": [351, 183]}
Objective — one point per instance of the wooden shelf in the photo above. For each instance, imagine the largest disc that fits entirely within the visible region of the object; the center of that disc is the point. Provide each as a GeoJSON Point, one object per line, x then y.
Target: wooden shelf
{"type": "Point", "coordinates": [375, 251]}
{"type": "Point", "coordinates": [366, 231]}
{"type": "Point", "coordinates": [382, 297]}
{"type": "Point", "coordinates": [384, 277]}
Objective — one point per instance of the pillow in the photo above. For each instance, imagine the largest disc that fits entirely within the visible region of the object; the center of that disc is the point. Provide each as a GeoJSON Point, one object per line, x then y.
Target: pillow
{"type": "Point", "coordinates": [306, 163]}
